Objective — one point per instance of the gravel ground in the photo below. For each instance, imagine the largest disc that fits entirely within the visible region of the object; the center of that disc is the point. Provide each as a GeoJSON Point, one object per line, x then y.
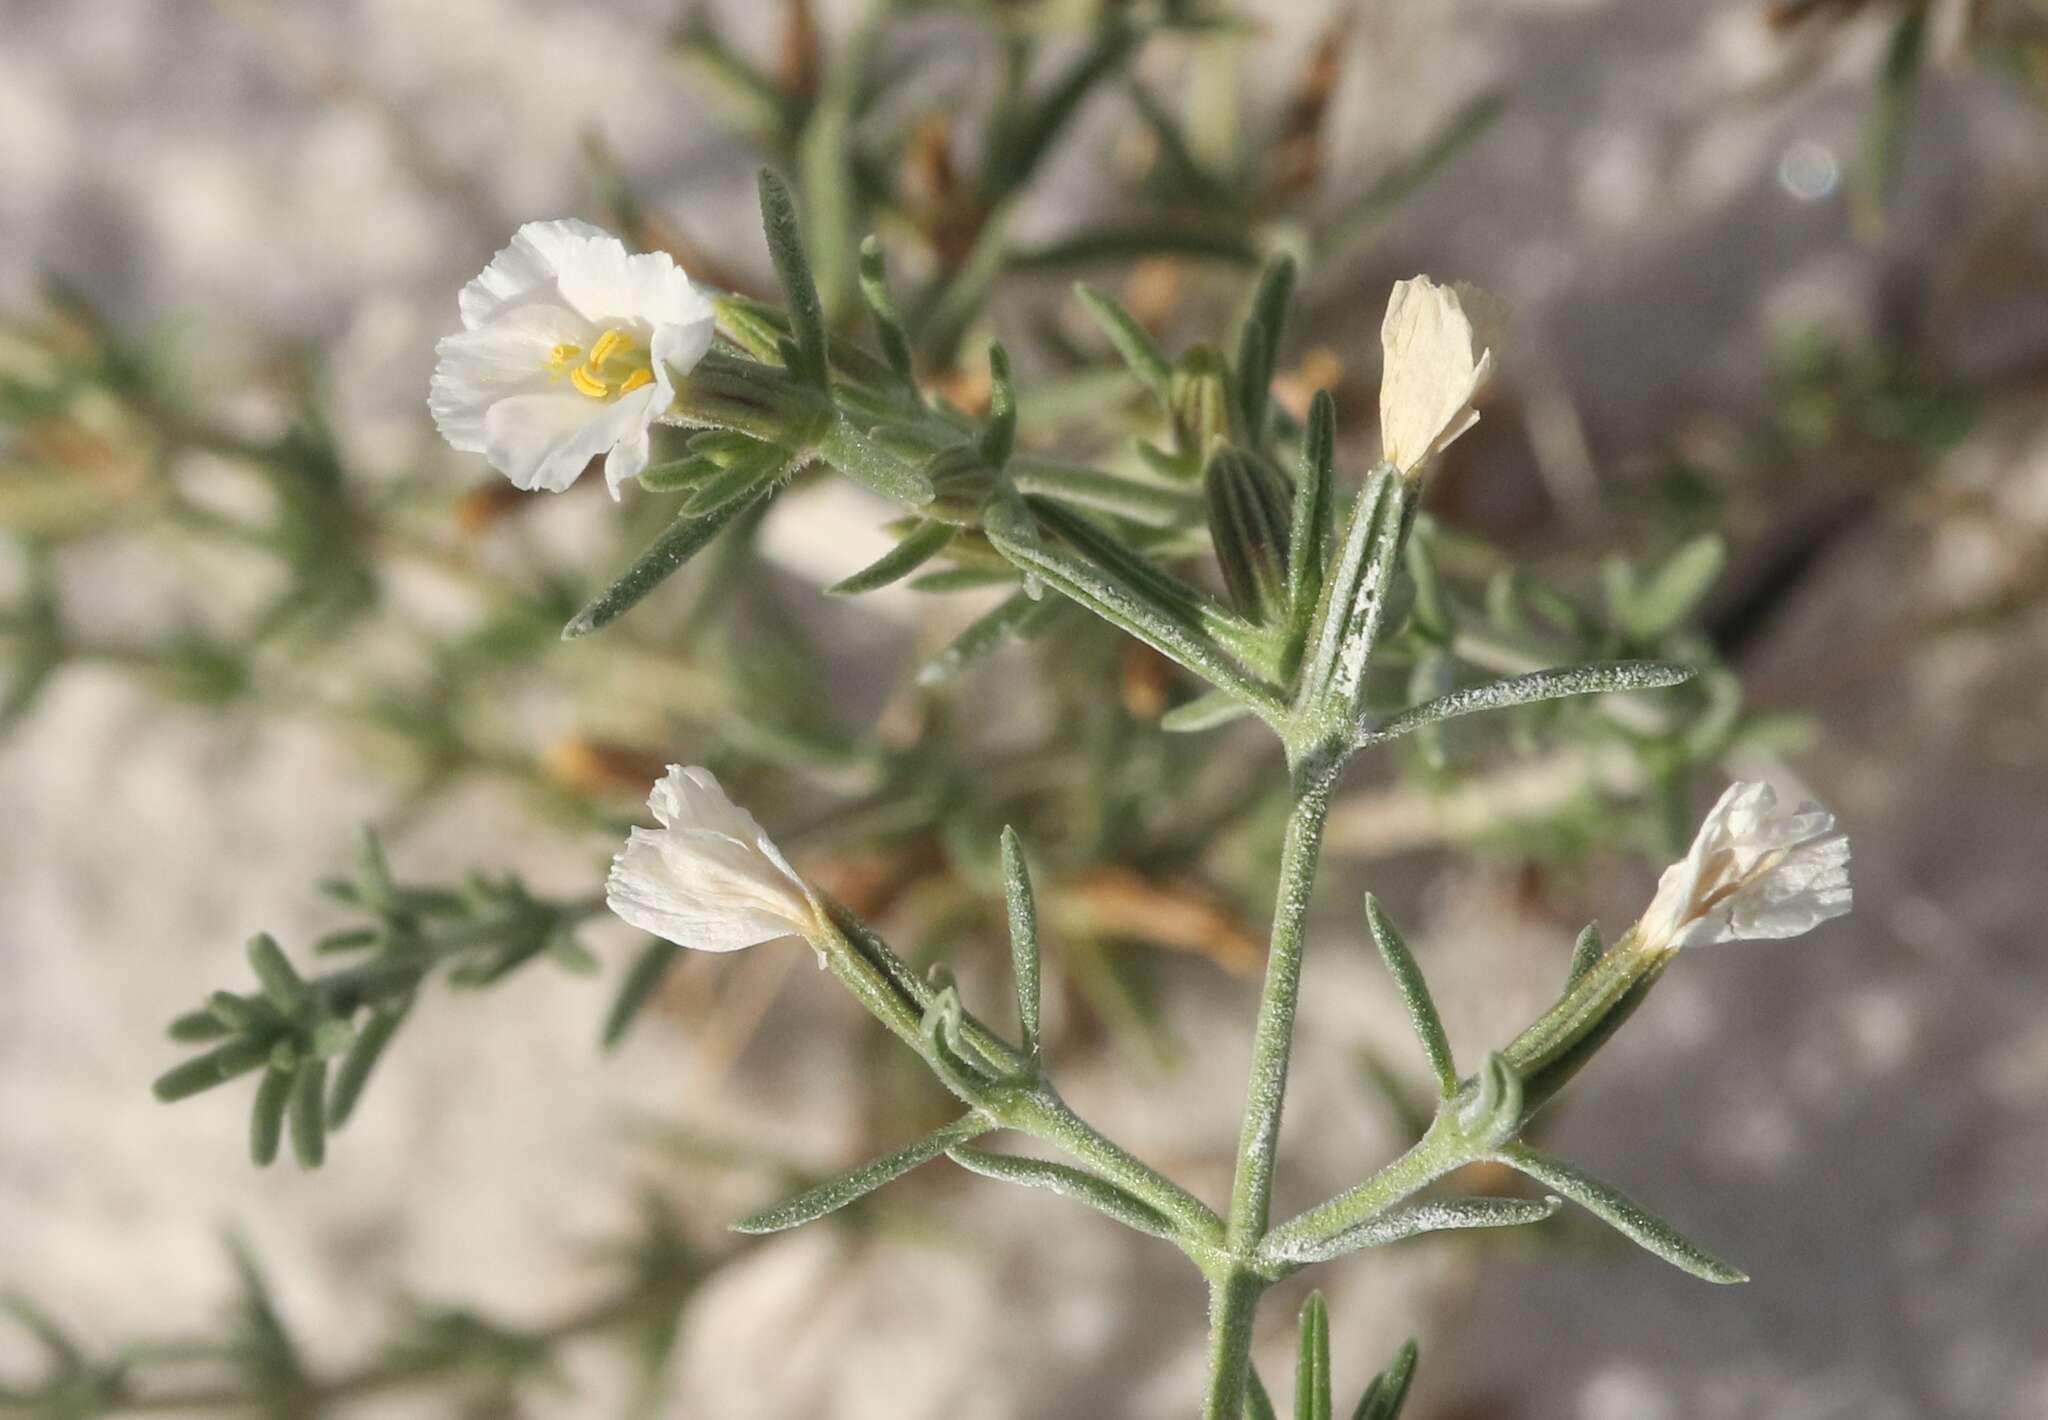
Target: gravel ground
{"type": "Point", "coordinates": [1858, 1118]}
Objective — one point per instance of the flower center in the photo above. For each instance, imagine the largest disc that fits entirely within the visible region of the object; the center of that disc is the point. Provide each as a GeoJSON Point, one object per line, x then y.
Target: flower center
{"type": "Point", "coordinates": [615, 365]}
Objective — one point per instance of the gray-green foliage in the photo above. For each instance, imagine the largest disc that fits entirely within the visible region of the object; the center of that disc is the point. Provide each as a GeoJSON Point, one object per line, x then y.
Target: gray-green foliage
{"type": "Point", "coordinates": [1099, 491]}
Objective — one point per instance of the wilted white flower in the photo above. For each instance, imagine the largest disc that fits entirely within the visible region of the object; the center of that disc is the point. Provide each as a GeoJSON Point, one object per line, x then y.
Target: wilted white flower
{"type": "Point", "coordinates": [708, 878]}
{"type": "Point", "coordinates": [1756, 870]}
{"type": "Point", "coordinates": [1436, 362]}
{"type": "Point", "coordinates": [568, 349]}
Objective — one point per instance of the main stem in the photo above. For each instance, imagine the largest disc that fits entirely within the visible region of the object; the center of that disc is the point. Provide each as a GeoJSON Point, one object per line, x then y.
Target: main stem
{"type": "Point", "coordinates": [1235, 1288]}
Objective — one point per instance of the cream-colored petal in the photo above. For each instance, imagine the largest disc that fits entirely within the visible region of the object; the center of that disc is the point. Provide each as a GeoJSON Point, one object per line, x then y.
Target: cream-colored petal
{"type": "Point", "coordinates": [1434, 367]}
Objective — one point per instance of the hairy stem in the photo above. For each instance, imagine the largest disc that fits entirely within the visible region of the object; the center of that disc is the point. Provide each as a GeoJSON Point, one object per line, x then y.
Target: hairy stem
{"type": "Point", "coordinates": [1234, 1291]}
{"type": "Point", "coordinates": [1251, 1194]}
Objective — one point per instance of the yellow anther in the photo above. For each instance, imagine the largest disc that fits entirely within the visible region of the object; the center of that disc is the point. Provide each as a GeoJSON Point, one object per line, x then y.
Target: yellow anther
{"type": "Point", "coordinates": [641, 376]}
{"type": "Point", "coordinates": [562, 356]}
{"type": "Point", "coordinates": [608, 345]}
{"type": "Point", "coordinates": [588, 383]}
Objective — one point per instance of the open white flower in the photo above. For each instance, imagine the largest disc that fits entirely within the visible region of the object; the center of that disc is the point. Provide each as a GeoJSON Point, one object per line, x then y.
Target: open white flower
{"type": "Point", "coordinates": [708, 878]}
{"type": "Point", "coordinates": [1756, 870]}
{"type": "Point", "coordinates": [568, 351]}
{"type": "Point", "coordinates": [1436, 363]}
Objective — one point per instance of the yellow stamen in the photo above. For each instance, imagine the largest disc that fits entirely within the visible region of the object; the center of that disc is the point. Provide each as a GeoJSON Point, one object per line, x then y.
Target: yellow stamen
{"type": "Point", "coordinates": [588, 383]}
{"type": "Point", "coordinates": [562, 356]}
{"type": "Point", "coordinates": [608, 345]}
{"type": "Point", "coordinates": [641, 376]}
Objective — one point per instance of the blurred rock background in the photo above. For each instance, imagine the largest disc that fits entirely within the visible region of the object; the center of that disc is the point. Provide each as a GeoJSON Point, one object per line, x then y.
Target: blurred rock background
{"type": "Point", "coordinates": [1861, 1119]}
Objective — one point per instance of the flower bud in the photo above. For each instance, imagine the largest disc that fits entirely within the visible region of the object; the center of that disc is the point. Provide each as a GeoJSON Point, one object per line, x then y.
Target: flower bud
{"type": "Point", "coordinates": [1198, 396]}
{"type": "Point", "coordinates": [1249, 516]}
{"type": "Point", "coordinates": [1436, 362]}
{"type": "Point", "coordinates": [1756, 870]}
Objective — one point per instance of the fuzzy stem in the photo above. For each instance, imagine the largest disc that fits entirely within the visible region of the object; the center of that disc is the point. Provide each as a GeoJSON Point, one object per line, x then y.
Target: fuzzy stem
{"type": "Point", "coordinates": [1251, 1194]}
{"type": "Point", "coordinates": [1234, 1292]}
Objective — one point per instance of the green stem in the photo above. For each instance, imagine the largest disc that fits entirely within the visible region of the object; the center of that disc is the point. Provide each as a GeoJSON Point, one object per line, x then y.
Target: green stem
{"type": "Point", "coordinates": [1251, 1194]}
{"type": "Point", "coordinates": [1233, 1301]}
{"type": "Point", "coordinates": [1235, 1289]}
{"type": "Point", "coordinates": [1444, 1147]}
{"type": "Point", "coordinates": [1023, 1101]}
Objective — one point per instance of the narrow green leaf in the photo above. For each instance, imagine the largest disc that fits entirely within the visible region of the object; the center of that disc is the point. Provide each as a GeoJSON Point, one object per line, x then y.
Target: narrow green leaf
{"type": "Point", "coordinates": [1144, 503]}
{"type": "Point", "coordinates": [1310, 540]}
{"type": "Point", "coordinates": [354, 1073]}
{"type": "Point", "coordinates": [1346, 626]}
{"type": "Point", "coordinates": [1422, 1012]}
{"type": "Point", "coordinates": [1625, 1216]}
{"type": "Point", "coordinates": [308, 1114]}
{"type": "Point", "coordinates": [835, 1193]}
{"type": "Point", "coordinates": [282, 985]}
{"type": "Point", "coordinates": [827, 175]}
{"type": "Point", "coordinates": [1131, 340]}
{"type": "Point", "coordinates": [237, 1012]}
{"type": "Point", "coordinates": [1599, 678]}
{"type": "Point", "coordinates": [266, 1116]}
{"type": "Point", "coordinates": [197, 1027]}
{"type": "Point", "coordinates": [217, 1066]}
{"type": "Point", "coordinates": [1586, 953]}
{"type": "Point", "coordinates": [865, 460]}
{"type": "Point", "coordinates": [1015, 150]}
{"type": "Point", "coordinates": [1388, 1392]}
{"type": "Point", "coordinates": [1883, 140]}
{"type": "Point", "coordinates": [1077, 1184]}
{"type": "Point", "coordinates": [1670, 595]}
{"type": "Point", "coordinates": [1312, 1361]}
{"type": "Point", "coordinates": [793, 269]}
{"type": "Point", "coordinates": [1432, 617]}
{"type": "Point", "coordinates": [1204, 712]}
{"type": "Point", "coordinates": [648, 971]}
{"type": "Point", "coordinates": [1412, 1220]}
{"type": "Point", "coordinates": [1024, 950]}
{"type": "Point", "coordinates": [1259, 343]}
{"type": "Point", "coordinates": [919, 546]}
{"type": "Point", "coordinates": [736, 483]}
{"type": "Point", "coordinates": [685, 538]}
{"type": "Point", "coordinates": [1015, 616]}
{"type": "Point", "coordinates": [874, 289]}
{"type": "Point", "coordinates": [1174, 630]}
{"type": "Point", "coordinates": [1353, 224]}
{"type": "Point", "coordinates": [999, 438]}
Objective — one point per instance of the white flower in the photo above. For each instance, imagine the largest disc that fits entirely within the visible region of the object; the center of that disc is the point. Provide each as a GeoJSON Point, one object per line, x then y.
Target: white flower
{"type": "Point", "coordinates": [567, 351]}
{"type": "Point", "coordinates": [708, 878]}
{"type": "Point", "coordinates": [1435, 365]}
{"type": "Point", "coordinates": [1756, 870]}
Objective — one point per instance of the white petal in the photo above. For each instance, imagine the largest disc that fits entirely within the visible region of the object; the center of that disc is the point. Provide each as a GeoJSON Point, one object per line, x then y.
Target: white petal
{"type": "Point", "coordinates": [691, 903]}
{"type": "Point", "coordinates": [526, 269]}
{"type": "Point", "coordinates": [476, 368]}
{"type": "Point", "coordinates": [546, 439]}
{"type": "Point", "coordinates": [709, 877]}
{"type": "Point", "coordinates": [605, 282]}
{"type": "Point", "coordinates": [631, 454]}
{"type": "Point", "coordinates": [1434, 366]}
{"type": "Point", "coordinates": [1755, 870]}
{"type": "Point", "coordinates": [677, 347]}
